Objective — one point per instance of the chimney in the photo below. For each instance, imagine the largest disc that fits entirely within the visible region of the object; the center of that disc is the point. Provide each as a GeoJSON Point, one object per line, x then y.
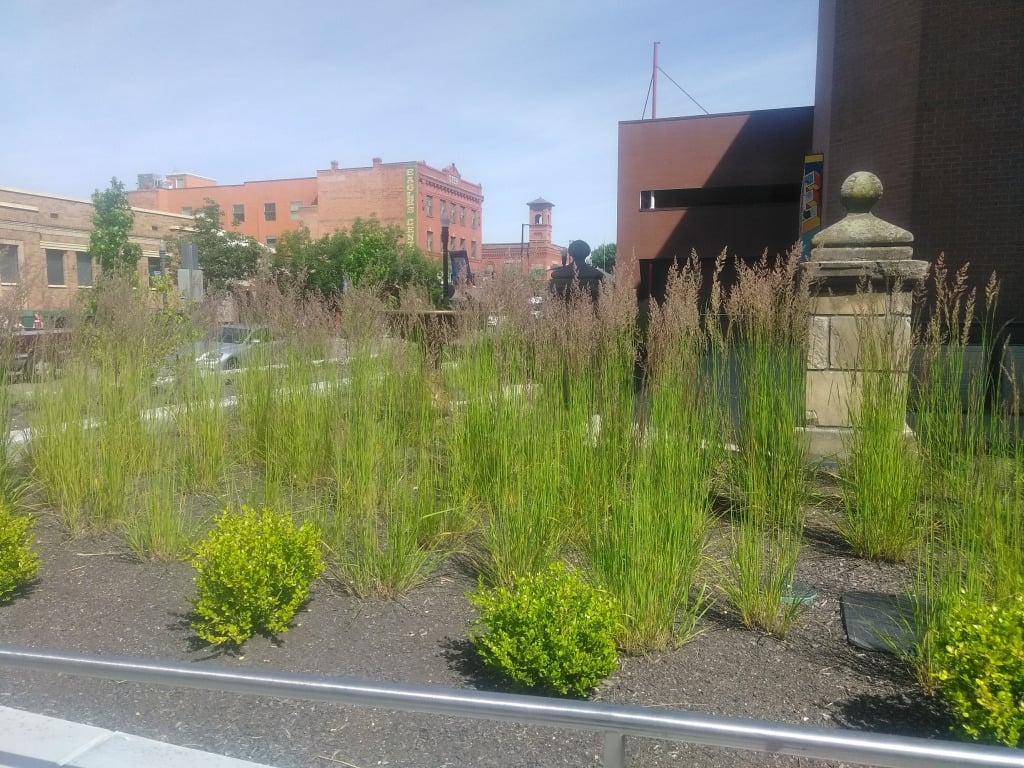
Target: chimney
{"type": "Point", "coordinates": [334, 165]}
{"type": "Point", "coordinates": [377, 161]}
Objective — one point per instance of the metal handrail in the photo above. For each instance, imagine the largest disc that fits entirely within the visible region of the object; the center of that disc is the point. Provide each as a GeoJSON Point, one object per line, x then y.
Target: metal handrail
{"type": "Point", "coordinates": [614, 721]}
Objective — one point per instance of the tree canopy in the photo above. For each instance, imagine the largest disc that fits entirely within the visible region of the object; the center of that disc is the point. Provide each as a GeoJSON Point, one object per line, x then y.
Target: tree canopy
{"type": "Point", "coordinates": [225, 257]}
{"type": "Point", "coordinates": [112, 222]}
{"type": "Point", "coordinates": [603, 257]}
{"type": "Point", "coordinates": [368, 255]}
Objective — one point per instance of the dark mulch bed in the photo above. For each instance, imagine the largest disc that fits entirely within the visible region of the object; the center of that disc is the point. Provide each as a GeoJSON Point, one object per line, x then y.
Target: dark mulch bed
{"type": "Point", "coordinates": [92, 598]}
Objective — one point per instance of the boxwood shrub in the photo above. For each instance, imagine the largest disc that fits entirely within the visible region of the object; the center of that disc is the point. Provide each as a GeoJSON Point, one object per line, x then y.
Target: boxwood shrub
{"type": "Point", "coordinates": [253, 572]}
{"type": "Point", "coordinates": [980, 670]}
{"type": "Point", "coordinates": [551, 631]}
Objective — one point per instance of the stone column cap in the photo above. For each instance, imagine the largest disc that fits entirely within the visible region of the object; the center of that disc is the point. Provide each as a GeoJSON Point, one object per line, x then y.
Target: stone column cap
{"type": "Point", "coordinates": [860, 230]}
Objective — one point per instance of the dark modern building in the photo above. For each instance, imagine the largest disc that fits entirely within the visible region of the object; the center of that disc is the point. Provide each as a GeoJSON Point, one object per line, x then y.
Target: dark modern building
{"type": "Point", "coordinates": [927, 94]}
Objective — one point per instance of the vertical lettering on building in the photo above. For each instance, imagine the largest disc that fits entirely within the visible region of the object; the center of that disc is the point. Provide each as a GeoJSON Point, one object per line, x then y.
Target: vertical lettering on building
{"type": "Point", "coordinates": [410, 205]}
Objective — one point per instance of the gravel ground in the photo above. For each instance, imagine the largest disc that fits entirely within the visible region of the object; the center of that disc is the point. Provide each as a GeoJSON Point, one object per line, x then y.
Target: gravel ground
{"type": "Point", "coordinates": [92, 598]}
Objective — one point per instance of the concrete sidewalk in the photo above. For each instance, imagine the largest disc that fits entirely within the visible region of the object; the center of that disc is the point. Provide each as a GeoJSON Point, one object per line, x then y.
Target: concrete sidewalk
{"type": "Point", "coordinates": [38, 741]}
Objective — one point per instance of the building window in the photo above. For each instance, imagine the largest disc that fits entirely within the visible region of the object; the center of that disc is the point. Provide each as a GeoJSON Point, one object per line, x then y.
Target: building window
{"type": "Point", "coordinates": [54, 267]}
{"type": "Point", "coordinates": [430, 241]}
{"type": "Point", "coordinates": [462, 215]}
{"type": "Point", "coordinates": [293, 207]}
{"type": "Point", "coordinates": [237, 214]}
{"type": "Point", "coordinates": [84, 263]}
{"type": "Point", "coordinates": [430, 205]}
{"type": "Point", "coordinates": [755, 194]}
{"type": "Point", "coordinates": [472, 249]}
{"type": "Point", "coordinates": [270, 211]}
{"type": "Point", "coordinates": [472, 219]}
{"type": "Point", "coordinates": [8, 264]}
{"type": "Point", "coordinates": [154, 266]}
{"type": "Point", "coordinates": [186, 210]}
{"type": "Point", "coordinates": [271, 242]}
{"type": "Point", "coordinates": [444, 209]}
{"type": "Point", "coordinates": [462, 243]}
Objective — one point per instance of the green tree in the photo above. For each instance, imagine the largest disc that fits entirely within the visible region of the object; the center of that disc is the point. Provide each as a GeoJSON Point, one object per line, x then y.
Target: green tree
{"type": "Point", "coordinates": [225, 257]}
{"type": "Point", "coordinates": [112, 222]}
{"type": "Point", "coordinates": [603, 257]}
{"type": "Point", "coordinates": [370, 254]}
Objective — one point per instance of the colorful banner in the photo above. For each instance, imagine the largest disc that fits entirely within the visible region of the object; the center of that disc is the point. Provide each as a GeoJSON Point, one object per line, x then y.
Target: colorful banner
{"type": "Point", "coordinates": [810, 201]}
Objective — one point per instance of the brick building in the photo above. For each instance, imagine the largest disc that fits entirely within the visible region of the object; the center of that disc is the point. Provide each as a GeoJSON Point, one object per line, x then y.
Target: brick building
{"type": "Point", "coordinates": [411, 195]}
{"type": "Point", "coordinates": [44, 249]}
{"type": "Point", "coordinates": [927, 94]}
{"type": "Point", "coordinates": [534, 254]}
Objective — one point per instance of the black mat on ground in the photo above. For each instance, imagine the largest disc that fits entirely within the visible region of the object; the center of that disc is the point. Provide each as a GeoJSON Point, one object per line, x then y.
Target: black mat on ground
{"type": "Point", "coordinates": [876, 621]}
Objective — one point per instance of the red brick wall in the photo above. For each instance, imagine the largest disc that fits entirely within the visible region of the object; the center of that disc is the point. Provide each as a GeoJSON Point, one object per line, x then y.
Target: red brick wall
{"type": "Point", "coordinates": [969, 167]}
{"type": "Point", "coordinates": [872, 54]}
{"type": "Point", "coordinates": [928, 94]}
{"type": "Point", "coordinates": [252, 194]}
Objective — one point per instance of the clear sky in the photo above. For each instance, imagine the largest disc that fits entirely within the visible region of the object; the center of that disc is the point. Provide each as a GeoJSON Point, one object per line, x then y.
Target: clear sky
{"type": "Point", "coordinates": [524, 97]}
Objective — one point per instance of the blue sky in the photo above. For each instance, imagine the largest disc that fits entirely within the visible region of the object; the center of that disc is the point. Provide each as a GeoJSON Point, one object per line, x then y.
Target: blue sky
{"type": "Point", "coordinates": [524, 97]}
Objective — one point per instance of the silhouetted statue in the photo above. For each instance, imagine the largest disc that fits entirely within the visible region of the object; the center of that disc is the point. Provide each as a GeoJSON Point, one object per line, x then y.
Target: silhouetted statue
{"type": "Point", "coordinates": [586, 277]}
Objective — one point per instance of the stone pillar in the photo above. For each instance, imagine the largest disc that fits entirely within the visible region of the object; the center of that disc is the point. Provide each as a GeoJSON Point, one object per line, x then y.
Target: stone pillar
{"type": "Point", "coordinates": [861, 276]}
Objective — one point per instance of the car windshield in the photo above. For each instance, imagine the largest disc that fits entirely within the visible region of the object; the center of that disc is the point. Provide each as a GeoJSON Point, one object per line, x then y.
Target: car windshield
{"type": "Point", "coordinates": [235, 334]}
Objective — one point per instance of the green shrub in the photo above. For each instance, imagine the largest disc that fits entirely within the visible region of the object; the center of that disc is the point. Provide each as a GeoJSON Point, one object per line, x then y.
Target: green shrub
{"type": "Point", "coordinates": [254, 570]}
{"type": "Point", "coordinates": [18, 563]}
{"type": "Point", "coordinates": [980, 670]}
{"type": "Point", "coordinates": [550, 631]}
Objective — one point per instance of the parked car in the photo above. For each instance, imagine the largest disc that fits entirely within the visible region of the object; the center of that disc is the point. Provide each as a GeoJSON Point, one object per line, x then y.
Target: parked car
{"type": "Point", "coordinates": [234, 347]}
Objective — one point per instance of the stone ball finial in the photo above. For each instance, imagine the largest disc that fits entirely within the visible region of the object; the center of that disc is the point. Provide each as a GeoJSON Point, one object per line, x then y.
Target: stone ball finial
{"type": "Point", "coordinates": [860, 192]}
{"type": "Point", "coordinates": [860, 234]}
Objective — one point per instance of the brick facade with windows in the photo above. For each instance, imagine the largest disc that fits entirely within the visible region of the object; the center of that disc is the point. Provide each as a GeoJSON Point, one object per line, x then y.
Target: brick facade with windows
{"type": "Point", "coordinates": [44, 245]}
{"type": "Point", "coordinates": [410, 195]}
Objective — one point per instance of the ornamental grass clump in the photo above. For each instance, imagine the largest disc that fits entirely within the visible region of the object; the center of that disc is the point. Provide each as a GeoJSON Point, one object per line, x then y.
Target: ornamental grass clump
{"type": "Point", "coordinates": [979, 666]}
{"type": "Point", "coordinates": [647, 540]}
{"type": "Point", "coordinates": [881, 475]}
{"type": "Point", "coordinates": [18, 562]}
{"type": "Point", "coordinates": [768, 476]}
{"type": "Point", "coordinates": [551, 632]}
{"type": "Point", "coordinates": [972, 535]}
{"type": "Point", "coordinates": [253, 572]}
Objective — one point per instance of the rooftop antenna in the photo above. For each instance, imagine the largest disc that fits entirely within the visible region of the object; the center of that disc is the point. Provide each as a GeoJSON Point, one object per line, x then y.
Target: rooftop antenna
{"type": "Point", "coordinates": [654, 84]}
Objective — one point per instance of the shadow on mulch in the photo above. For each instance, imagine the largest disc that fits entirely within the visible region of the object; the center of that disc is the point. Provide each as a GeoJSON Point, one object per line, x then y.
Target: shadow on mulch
{"type": "Point", "coordinates": [182, 622]}
{"type": "Point", "coordinates": [464, 660]}
{"type": "Point", "coordinates": [897, 713]}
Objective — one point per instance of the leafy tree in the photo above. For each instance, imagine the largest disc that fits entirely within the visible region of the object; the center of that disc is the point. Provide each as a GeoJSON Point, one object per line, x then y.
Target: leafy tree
{"type": "Point", "coordinates": [112, 222]}
{"type": "Point", "coordinates": [603, 257]}
{"type": "Point", "coordinates": [370, 254]}
{"type": "Point", "coordinates": [225, 257]}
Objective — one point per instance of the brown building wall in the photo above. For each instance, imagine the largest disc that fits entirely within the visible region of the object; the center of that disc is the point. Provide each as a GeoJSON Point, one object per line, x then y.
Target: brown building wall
{"type": "Point", "coordinates": [869, 52]}
{"type": "Point", "coordinates": [35, 223]}
{"type": "Point", "coordinates": [740, 155]}
{"type": "Point", "coordinates": [252, 195]}
{"type": "Point", "coordinates": [394, 193]}
{"type": "Point", "coordinates": [928, 94]}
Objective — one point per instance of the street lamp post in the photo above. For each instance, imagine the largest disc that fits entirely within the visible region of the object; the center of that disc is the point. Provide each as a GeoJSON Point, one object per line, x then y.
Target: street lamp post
{"type": "Point", "coordinates": [522, 240]}
{"type": "Point", "coordinates": [445, 271]}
